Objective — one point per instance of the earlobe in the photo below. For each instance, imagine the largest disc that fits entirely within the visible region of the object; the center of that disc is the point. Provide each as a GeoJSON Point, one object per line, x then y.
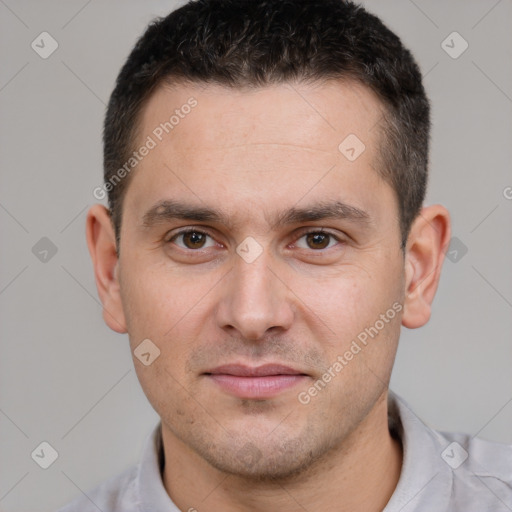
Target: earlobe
{"type": "Point", "coordinates": [427, 243]}
{"type": "Point", "coordinates": [102, 248]}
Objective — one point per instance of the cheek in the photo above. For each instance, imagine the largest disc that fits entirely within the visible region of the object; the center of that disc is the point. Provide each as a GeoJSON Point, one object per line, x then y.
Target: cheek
{"type": "Point", "coordinates": [165, 312]}
{"type": "Point", "coordinates": [168, 391]}
{"type": "Point", "coordinates": [348, 303]}
{"type": "Point", "coordinates": [340, 300]}
{"type": "Point", "coordinates": [156, 301]}
{"type": "Point", "coordinates": [171, 311]}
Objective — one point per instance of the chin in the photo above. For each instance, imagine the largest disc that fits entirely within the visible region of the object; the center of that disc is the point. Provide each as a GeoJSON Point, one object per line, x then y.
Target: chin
{"type": "Point", "coordinates": [256, 461]}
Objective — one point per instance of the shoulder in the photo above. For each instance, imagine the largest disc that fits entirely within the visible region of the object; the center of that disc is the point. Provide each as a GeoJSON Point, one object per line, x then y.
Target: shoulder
{"type": "Point", "coordinates": [114, 495]}
{"type": "Point", "coordinates": [446, 470]}
{"type": "Point", "coordinates": [482, 470]}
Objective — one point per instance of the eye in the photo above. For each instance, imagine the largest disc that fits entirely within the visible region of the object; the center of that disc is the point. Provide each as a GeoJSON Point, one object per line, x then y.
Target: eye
{"type": "Point", "coordinates": [192, 239]}
{"type": "Point", "coordinates": [317, 240]}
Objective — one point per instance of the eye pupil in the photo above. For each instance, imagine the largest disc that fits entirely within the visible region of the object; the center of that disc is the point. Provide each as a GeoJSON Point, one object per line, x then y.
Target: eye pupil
{"type": "Point", "coordinates": [193, 239]}
{"type": "Point", "coordinates": [317, 240]}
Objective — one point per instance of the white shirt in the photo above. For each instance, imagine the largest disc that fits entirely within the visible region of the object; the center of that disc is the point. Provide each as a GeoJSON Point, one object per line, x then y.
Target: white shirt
{"type": "Point", "coordinates": [441, 472]}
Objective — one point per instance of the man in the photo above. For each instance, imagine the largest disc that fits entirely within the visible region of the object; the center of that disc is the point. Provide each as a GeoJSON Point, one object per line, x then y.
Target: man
{"type": "Point", "coordinates": [266, 166]}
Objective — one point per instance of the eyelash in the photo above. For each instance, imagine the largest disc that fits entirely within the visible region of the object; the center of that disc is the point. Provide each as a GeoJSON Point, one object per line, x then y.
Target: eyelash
{"type": "Point", "coordinates": [201, 232]}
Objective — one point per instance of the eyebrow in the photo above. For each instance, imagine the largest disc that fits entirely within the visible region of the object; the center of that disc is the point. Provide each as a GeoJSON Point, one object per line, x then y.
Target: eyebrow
{"type": "Point", "coordinates": [336, 210]}
{"type": "Point", "coordinates": [168, 210]}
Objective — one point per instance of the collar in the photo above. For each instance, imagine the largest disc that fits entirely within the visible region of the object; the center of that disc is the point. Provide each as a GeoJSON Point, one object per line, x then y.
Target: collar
{"type": "Point", "coordinates": [425, 481]}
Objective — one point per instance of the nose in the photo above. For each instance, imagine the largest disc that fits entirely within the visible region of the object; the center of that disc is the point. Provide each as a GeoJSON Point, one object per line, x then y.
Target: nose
{"type": "Point", "coordinates": [255, 300]}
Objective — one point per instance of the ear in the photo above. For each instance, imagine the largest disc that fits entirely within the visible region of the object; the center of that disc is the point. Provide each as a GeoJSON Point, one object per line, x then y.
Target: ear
{"type": "Point", "coordinates": [102, 248]}
{"type": "Point", "coordinates": [426, 246]}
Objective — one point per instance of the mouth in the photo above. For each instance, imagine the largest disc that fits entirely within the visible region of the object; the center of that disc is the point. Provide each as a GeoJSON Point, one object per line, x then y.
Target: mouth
{"type": "Point", "coordinates": [258, 382]}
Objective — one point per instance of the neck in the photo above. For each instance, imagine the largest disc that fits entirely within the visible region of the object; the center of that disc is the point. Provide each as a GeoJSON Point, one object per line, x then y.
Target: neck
{"type": "Point", "coordinates": [359, 476]}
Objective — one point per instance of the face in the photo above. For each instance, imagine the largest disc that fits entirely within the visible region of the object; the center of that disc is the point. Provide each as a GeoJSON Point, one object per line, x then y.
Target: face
{"type": "Point", "coordinates": [260, 254]}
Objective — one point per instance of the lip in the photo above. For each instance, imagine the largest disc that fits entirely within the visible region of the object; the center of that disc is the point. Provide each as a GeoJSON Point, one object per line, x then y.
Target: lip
{"type": "Point", "coordinates": [258, 382]}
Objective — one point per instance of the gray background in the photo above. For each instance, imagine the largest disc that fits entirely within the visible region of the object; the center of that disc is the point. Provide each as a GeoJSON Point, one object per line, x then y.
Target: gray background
{"type": "Point", "coordinates": [67, 379]}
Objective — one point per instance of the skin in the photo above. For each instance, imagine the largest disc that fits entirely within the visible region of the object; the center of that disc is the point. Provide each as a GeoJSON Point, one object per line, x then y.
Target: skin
{"type": "Point", "coordinates": [252, 154]}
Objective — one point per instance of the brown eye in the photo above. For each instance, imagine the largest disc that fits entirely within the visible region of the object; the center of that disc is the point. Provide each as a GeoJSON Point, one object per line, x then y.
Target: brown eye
{"type": "Point", "coordinates": [317, 240]}
{"type": "Point", "coordinates": [192, 239]}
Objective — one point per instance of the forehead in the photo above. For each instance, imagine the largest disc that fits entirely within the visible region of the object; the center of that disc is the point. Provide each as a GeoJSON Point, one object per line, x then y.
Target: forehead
{"type": "Point", "coordinates": [315, 115]}
{"type": "Point", "coordinates": [259, 147]}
